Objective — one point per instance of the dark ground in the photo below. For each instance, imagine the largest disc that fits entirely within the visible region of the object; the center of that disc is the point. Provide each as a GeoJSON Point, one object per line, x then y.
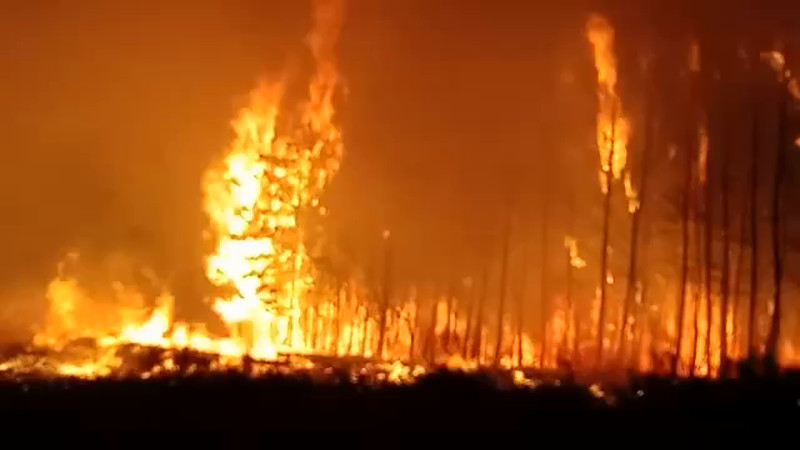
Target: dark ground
{"type": "Point", "coordinates": [439, 401]}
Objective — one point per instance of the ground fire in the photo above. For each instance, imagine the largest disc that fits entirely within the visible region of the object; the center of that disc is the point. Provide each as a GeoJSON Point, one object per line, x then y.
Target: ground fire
{"type": "Point", "coordinates": [283, 310]}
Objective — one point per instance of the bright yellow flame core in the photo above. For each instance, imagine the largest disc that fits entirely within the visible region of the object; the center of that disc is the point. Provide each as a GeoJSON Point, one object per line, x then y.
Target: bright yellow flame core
{"type": "Point", "coordinates": [613, 128]}
{"type": "Point", "coordinates": [255, 203]}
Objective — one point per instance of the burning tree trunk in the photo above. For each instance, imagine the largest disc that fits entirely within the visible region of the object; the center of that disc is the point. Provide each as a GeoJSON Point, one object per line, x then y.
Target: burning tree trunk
{"type": "Point", "coordinates": [432, 338]}
{"type": "Point", "coordinates": [751, 328]}
{"type": "Point", "coordinates": [448, 327]}
{"type": "Point", "coordinates": [365, 332]}
{"type": "Point", "coordinates": [571, 252]}
{"type": "Point", "coordinates": [739, 275]}
{"type": "Point", "coordinates": [630, 289]}
{"type": "Point", "coordinates": [687, 181]}
{"type": "Point", "coordinates": [698, 273]}
{"type": "Point", "coordinates": [608, 178]}
{"type": "Point", "coordinates": [773, 338]}
{"type": "Point", "coordinates": [337, 316]}
{"type": "Point", "coordinates": [724, 284]}
{"type": "Point", "coordinates": [413, 326]}
{"type": "Point", "coordinates": [523, 288]}
{"type": "Point", "coordinates": [478, 339]}
{"type": "Point", "coordinates": [707, 252]}
{"type": "Point", "coordinates": [544, 286]}
{"type": "Point", "coordinates": [503, 286]}
{"type": "Point", "coordinates": [468, 327]}
{"type": "Point", "coordinates": [636, 206]}
{"type": "Point", "coordinates": [387, 266]}
{"type": "Point", "coordinates": [568, 299]}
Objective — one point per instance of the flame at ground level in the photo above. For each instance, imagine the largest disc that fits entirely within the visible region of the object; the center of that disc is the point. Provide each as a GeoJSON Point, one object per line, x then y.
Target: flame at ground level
{"type": "Point", "coordinates": [77, 343]}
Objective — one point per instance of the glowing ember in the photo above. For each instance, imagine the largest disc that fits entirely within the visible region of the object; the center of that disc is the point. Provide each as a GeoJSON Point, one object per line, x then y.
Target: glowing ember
{"type": "Point", "coordinates": [574, 259]}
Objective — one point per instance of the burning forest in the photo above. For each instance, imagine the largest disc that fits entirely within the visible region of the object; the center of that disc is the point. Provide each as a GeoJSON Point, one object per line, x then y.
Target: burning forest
{"type": "Point", "coordinates": [640, 226]}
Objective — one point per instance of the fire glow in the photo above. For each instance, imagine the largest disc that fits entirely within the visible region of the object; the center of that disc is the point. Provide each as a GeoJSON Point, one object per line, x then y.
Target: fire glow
{"type": "Point", "coordinates": [261, 200]}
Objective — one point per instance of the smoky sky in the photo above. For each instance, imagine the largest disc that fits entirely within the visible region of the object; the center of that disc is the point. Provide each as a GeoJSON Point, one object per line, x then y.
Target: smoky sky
{"type": "Point", "coordinates": [111, 111]}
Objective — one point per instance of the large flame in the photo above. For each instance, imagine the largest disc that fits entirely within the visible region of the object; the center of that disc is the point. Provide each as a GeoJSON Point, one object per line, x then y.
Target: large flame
{"type": "Point", "coordinates": [263, 194]}
{"type": "Point", "coordinates": [256, 200]}
{"type": "Point", "coordinates": [613, 127]}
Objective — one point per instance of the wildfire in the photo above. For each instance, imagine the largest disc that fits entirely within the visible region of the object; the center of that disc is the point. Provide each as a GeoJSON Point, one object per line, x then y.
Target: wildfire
{"type": "Point", "coordinates": [574, 258]}
{"type": "Point", "coordinates": [613, 128]}
{"type": "Point", "coordinates": [260, 200]}
{"type": "Point", "coordinates": [269, 182]}
{"type": "Point", "coordinates": [777, 61]}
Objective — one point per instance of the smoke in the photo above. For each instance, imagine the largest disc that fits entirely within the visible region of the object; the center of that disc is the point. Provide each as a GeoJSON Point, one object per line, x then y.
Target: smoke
{"type": "Point", "coordinates": [328, 17]}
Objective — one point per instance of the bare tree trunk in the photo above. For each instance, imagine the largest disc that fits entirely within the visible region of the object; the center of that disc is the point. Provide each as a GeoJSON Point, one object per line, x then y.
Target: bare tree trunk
{"type": "Point", "coordinates": [478, 338]}
{"type": "Point", "coordinates": [337, 316]}
{"type": "Point", "coordinates": [633, 268]}
{"type": "Point", "coordinates": [569, 306]}
{"type": "Point", "coordinates": [687, 181]}
{"type": "Point", "coordinates": [708, 254]}
{"type": "Point", "coordinates": [387, 267]}
{"type": "Point", "coordinates": [698, 274]}
{"type": "Point", "coordinates": [448, 322]}
{"type": "Point", "coordinates": [501, 304]}
{"type": "Point", "coordinates": [609, 179]}
{"type": "Point", "coordinates": [752, 348]}
{"type": "Point", "coordinates": [432, 338]}
{"type": "Point", "coordinates": [630, 288]}
{"type": "Point", "coordinates": [364, 339]}
{"type": "Point", "coordinates": [642, 324]}
{"type": "Point", "coordinates": [544, 282]}
{"type": "Point", "coordinates": [413, 326]}
{"type": "Point", "coordinates": [724, 283]}
{"type": "Point", "coordinates": [523, 290]}
{"type": "Point", "coordinates": [739, 275]}
{"type": "Point", "coordinates": [570, 313]}
{"type": "Point", "coordinates": [468, 330]}
{"type": "Point", "coordinates": [350, 337]}
{"type": "Point", "coordinates": [773, 338]}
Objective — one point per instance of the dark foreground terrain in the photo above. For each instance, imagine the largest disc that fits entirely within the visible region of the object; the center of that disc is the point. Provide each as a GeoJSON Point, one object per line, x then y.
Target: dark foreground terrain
{"type": "Point", "coordinates": [439, 401]}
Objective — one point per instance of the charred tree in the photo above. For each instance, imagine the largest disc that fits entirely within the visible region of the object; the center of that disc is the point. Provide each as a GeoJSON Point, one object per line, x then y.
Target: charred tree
{"type": "Point", "coordinates": [478, 334]}
{"type": "Point", "coordinates": [337, 316]}
{"type": "Point", "coordinates": [468, 328]}
{"type": "Point", "coordinates": [448, 323]}
{"type": "Point", "coordinates": [501, 304]}
{"type": "Point", "coordinates": [636, 217]}
{"type": "Point", "coordinates": [685, 208]}
{"type": "Point", "coordinates": [739, 275]}
{"type": "Point", "coordinates": [570, 307]}
{"type": "Point", "coordinates": [413, 326]}
{"type": "Point", "coordinates": [568, 300]}
{"type": "Point", "coordinates": [708, 256]}
{"type": "Point", "coordinates": [432, 338]}
{"type": "Point", "coordinates": [365, 332]}
{"type": "Point", "coordinates": [608, 180]}
{"type": "Point", "coordinates": [698, 277]}
{"type": "Point", "coordinates": [544, 284]}
{"type": "Point", "coordinates": [522, 291]}
{"type": "Point", "coordinates": [724, 283]}
{"type": "Point", "coordinates": [752, 319]}
{"type": "Point", "coordinates": [773, 338]}
{"type": "Point", "coordinates": [386, 291]}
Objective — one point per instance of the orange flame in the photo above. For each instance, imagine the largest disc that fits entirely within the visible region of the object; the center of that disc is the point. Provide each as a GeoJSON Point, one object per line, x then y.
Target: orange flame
{"type": "Point", "coordinates": [613, 128]}
{"type": "Point", "coordinates": [255, 202]}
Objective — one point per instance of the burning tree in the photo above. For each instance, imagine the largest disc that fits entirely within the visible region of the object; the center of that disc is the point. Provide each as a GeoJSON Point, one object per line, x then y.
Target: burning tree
{"type": "Point", "coordinates": [271, 180]}
{"type": "Point", "coordinates": [613, 131]}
